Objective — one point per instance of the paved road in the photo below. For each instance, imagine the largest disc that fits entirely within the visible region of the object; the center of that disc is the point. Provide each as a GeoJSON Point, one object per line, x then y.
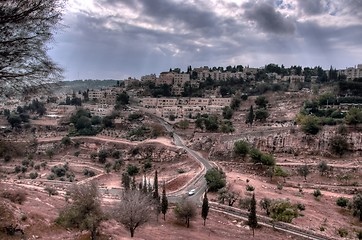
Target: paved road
{"type": "Point", "coordinates": [199, 182]}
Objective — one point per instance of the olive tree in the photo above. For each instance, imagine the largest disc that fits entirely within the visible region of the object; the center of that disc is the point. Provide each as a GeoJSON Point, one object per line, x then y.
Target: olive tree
{"type": "Point", "coordinates": [185, 209]}
{"type": "Point", "coordinates": [85, 210]}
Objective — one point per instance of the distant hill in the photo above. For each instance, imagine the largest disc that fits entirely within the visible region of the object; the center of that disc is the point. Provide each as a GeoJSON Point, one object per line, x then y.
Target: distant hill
{"type": "Point", "coordinates": [83, 85]}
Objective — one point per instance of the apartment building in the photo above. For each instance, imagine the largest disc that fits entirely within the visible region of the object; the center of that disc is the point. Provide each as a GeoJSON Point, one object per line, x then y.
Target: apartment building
{"type": "Point", "coordinates": [166, 102]}
{"type": "Point", "coordinates": [180, 79]}
{"type": "Point", "coordinates": [104, 96]}
{"type": "Point", "coordinates": [293, 78]}
{"type": "Point", "coordinates": [199, 101]}
{"type": "Point", "coordinates": [221, 101]}
{"type": "Point", "coordinates": [149, 102]}
{"type": "Point", "coordinates": [354, 72]}
{"type": "Point", "coordinates": [150, 77]}
{"type": "Point", "coordinates": [165, 78]}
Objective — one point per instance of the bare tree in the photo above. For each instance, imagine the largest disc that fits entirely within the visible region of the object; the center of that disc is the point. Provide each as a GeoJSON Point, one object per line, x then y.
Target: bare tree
{"type": "Point", "coordinates": [26, 26]}
{"type": "Point", "coordinates": [133, 210]}
{"type": "Point", "coordinates": [85, 211]}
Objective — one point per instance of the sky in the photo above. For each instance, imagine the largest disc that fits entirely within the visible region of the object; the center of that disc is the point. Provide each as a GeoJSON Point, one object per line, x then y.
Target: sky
{"type": "Point", "coordinates": [117, 39]}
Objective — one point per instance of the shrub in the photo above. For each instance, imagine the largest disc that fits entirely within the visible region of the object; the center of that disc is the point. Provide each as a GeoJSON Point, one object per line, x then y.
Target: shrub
{"type": "Point", "coordinates": [16, 196]}
{"type": "Point", "coordinates": [250, 188]}
{"type": "Point", "coordinates": [117, 165]}
{"type": "Point", "coordinates": [180, 170]}
{"type": "Point", "coordinates": [59, 171]}
{"type": "Point", "coordinates": [17, 169]}
{"type": "Point", "coordinates": [37, 167]}
{"type": "Point", "coordinates": [132, 170]}
{"type": "Point", "coordinates": [359, 235]}
{"type": "Point", "coordinates": [7, 158]}
{"type": "Point", "coordinates": [25, 162]}
{"type": "Point", "coordinates": [24, 169]}
{"type": "Point", "coordinates": [135, 116]}
{"type": "Point", "coordinates": [116, 154]}
{"type": "Point", "coordinates": [51, 176]}
{"type": "Point", "coordinates": [77, 153]}
{"type": "Point", "coordinates": [244, 203]}
{"type": "Point", "coordinates": [147, 165]}
{"type": "Point", "coordinates": [317, 193]}
{"type": "Point", "coordinates": [342, 232]}
{"type": "Point", "coordinates": [241, 148]}
{"type": "Point", "coordinates": [33, 175]}
{"type": "Point", "coordinates": [23, 217]}
{"type": "Point", "coordinates": [301, 206]}
{"type": "Point", "coordinates": [283, 210]}
{"type": "Point", "coordinates": [342, 202]}
{"type": "Point", "coordinates": [51, 191]}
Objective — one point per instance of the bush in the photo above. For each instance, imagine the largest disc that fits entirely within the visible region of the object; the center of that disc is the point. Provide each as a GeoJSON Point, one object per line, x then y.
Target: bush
{"type": "Point", "coordinates": [244, 203]}
{"type": "Point", "coordinates": [132, 170]}
{"type": "Point", "coordinates": [116, 154]}
{"type": "Point", "coordinates": [342, 202]}
{"type": "Point", "coordinates": [17, 169]}
{"type": "Point", "coordinates": [359, 235]}
{"type": "Point", "coordinates": [59, 171]}
{"type": "Point", "coordinates": [135, 116]}
{"type": "Point", "coordinates": [317, 193]}
{"type": "Point", "coordinates": [301, 206]}
{"type": "Point", "coordinates": [180, 170]}
{"type": "Point", "coordinates": [250, 188]}
{"type": "Point", "coordinates": [51, 176]}
{"type": "Point", "coordinates": [7, 158]}
{"type": "Point", "coordinates": [241, 148]}
{"type": "Point", "coordinates": [25, 162]}
{"type": "Point", "coordinates": [117, 165]}
{"type": "Point", "coordinates": [33, 175]}
{"type": "Point", "coordinates": [51, 191]}
{"type": "Point", "coordinates": [77, 153]}
{"type": "Point", "coordinates": [283, 210]}
{"type": "Point", "coordinates": [342, 232]}
{"type": "Point", "coordinates": [88, 172]}
{"type": "Point", "coordinates": [147, 165]}
{"type": "Point", "coordinates": [16, 196]}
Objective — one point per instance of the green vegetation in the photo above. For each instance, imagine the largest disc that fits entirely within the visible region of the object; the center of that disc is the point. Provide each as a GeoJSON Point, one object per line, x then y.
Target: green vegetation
{"type": "Point", "coordinates": [215, 179]}
{"type": "Point", "coordinates": [132, 170]}
{"type": "Point", "coordinates": [252, 218]}
{"type": "Point", "coordinates": [338, 145]}
{"type": "Point", "coordinates": [283, 210]}
{"type": "Point", "coordinates": [258, 157]}
{"type": "Point", "coordinates": [85, 210]}
{"type": "Point", "coordinates": [241, 148]}
{"type": "Point", "coordinates": [185, 210]}
{"type": "Point", "coordinates": [83, 124]}
{"type": "Point", "coordinates": [342, 202]}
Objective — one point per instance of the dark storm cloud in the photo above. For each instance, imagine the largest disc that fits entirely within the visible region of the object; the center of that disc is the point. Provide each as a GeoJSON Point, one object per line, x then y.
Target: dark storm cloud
{"type": "Point", "coordinates": [122, 38]}
{"type": "Point", "coordinates": [311, 7]}
{"type": "Point", "coordinates": [268, 18]}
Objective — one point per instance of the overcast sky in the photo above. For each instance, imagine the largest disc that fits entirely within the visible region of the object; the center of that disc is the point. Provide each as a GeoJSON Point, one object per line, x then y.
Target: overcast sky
{"type": "Point", "coordinates": [130, 38]}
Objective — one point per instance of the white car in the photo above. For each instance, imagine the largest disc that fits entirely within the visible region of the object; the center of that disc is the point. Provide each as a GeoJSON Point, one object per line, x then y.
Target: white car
{"type": "Point", "coordinates": [192, 192]}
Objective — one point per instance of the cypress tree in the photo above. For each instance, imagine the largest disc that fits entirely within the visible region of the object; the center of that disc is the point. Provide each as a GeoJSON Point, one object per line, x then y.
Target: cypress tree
{"type": "Point", "coordinates": [126, 181]}
{"type": "Point", "coordinates": [205, 208]}
{"type": "Point", "coordinates": [252, 219]}
{"type": "Point", "coordinates": [164, 202]}
{"type": "Point", "coordinates": [156, 195]}
{"type": "Point", "coordinates": [250, 116]}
